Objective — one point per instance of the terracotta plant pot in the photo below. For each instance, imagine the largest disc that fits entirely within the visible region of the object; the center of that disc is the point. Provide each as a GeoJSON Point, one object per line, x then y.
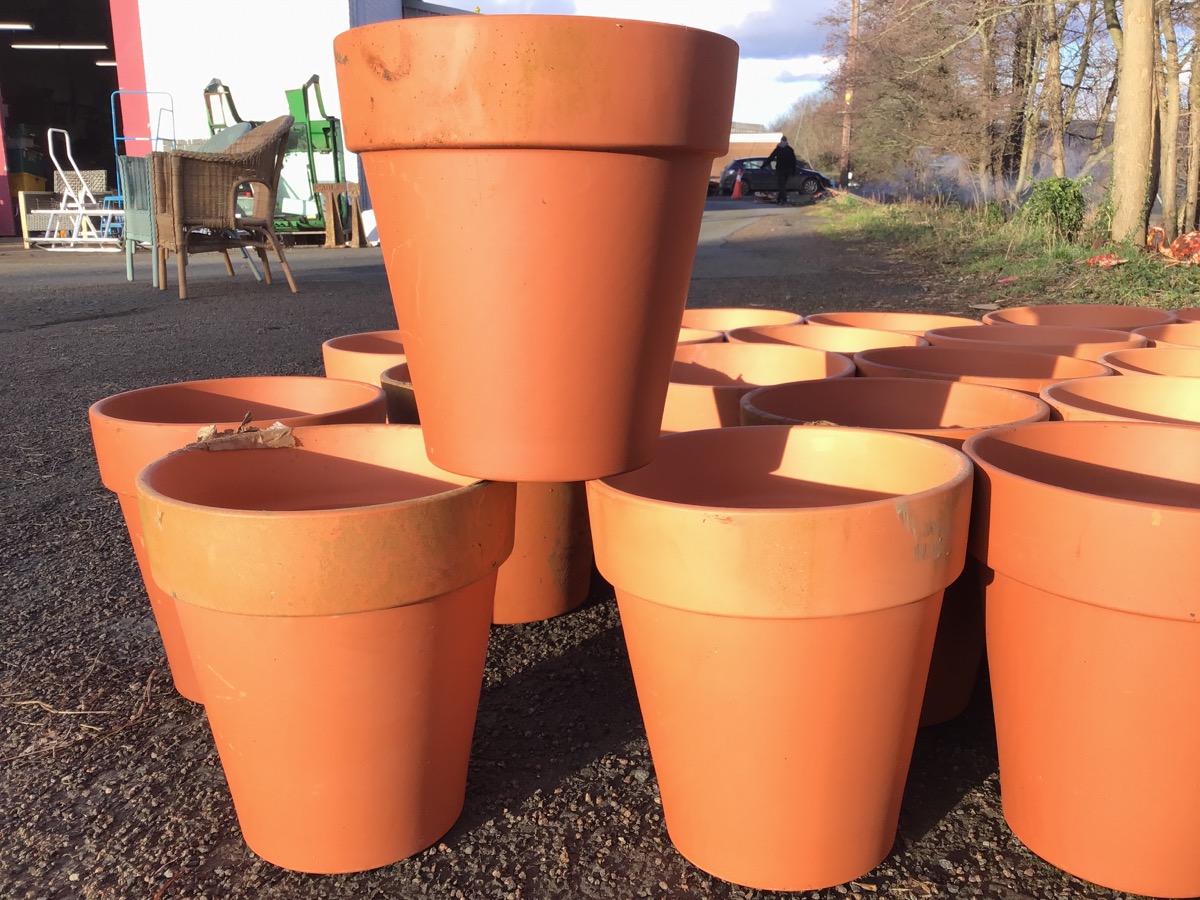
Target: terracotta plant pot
{"type": "Point", "coordinates": [913, 323]}
{"type": "Point", "coordinates": [727, 318]}
{"type": "Point", "coordinates": [401, 401]}
{"type": "Point", "coordinates": [779, 593]}
{"type": "Point", "coordinates": [134, 428]}
{"type": "Point", "coordinates": [943, 411]}
{"type": "Point", "coordinates": [342, 606]}
{"type": "Point", "coordinates": [699, 336]}
{"type": "Point", "coordinates": [1014, 369]}
{"type": "Point", "coordinates": [549, 570]}
{"type": "Point", "coordinates": [1180, 334]}
{"type": "Point", "coordinates": [361, 357]}
{"type": "Point", "coordinates": [1060, 340]}
{"type": "Point", "coordinates": [708, 380]}
{"type": "Point", "coordinates": [1093, 648]}
{"type": "Point", "coordinates": [1183, 361]}
{"type": "Point", "coordinates": [1188, 314]}
{"type": "Point", "coordinates": [502, 152]}
{"type": "Point", "coordinates": [846, 341]}
{"type": "Point", "coordinates": [1113, 316]}
{"type": "Point", "coordinates": [1134, 398]}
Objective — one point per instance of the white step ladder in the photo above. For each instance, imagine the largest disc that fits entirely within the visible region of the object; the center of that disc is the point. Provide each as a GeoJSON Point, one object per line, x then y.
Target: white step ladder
{"type": "Point", "coordinates": [80, 222]}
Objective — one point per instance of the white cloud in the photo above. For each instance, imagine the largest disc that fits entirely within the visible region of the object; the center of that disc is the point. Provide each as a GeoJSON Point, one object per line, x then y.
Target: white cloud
{"type": "Point", "coordinates": [780, 41]}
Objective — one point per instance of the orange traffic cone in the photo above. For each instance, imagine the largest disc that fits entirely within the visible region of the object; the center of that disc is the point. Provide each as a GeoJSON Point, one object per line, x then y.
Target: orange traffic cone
{"type": "Point", "coordinates": [737, 187]}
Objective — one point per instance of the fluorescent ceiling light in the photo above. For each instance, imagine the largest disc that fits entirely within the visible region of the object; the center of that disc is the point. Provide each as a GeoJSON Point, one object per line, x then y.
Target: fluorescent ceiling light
{"type": "Point", "coordinates": [106, 62]}
{"type": "Point", "coordinates": [59, 46]}
{"type": "Point", "coordinates": [15, 26]}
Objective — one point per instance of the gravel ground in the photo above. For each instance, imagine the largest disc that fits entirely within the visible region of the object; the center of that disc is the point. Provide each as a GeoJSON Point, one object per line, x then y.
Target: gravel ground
{"type": "Point", "coordinates": [111, 786]}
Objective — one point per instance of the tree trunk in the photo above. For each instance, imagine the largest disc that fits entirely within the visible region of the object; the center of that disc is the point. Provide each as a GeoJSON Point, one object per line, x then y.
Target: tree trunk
{"type": "Point", "coordinates": [1023, 72]}
{"type": "Point", "coordinates": [1133, 134]}
{"type": "Point", "coordinates": [1052, 91]}
{"type": "Point", "coordinates": [1169, 121]}
{"type": "Point", "coordinates": [1191, 214]}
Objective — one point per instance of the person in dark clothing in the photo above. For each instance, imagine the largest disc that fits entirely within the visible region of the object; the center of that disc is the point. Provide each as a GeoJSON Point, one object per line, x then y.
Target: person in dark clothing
{"type": "Point", "coordinates": [784, 158]}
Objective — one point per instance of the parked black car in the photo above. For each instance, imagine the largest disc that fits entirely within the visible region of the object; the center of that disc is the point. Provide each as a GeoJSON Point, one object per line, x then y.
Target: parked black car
{"type": "Point", "coordinates": [758, 176]}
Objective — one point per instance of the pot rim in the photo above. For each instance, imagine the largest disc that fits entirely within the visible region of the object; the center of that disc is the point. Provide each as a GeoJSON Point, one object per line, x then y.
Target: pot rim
{"type": "Point", "coordinates": [1050, 393]}
{"type": "Point", "coordinates": [1053, 334]}
{"type": "Point", "coordinates": [996, 317]}
{"type": "Point", "coordinates": [964, 471]}
{"type": "Point", "coordinates": [957, 350]}
{"type": "Point", "coordinates": [144, 485]}
{"type": "Point", "coordinates": [696, 354]}
{"type": "Point", "coordinates": [971, 449]}
{"type": "Point", "coordinates": [98, 411]}
{"type": "Point", "coordinates": [1041, 409]}
{"type": "Point", "coordinates": [333, 342]}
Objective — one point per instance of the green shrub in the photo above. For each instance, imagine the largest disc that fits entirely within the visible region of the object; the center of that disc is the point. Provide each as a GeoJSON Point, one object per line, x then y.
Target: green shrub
{"type": "Point", "coordinates": [1057, 205]}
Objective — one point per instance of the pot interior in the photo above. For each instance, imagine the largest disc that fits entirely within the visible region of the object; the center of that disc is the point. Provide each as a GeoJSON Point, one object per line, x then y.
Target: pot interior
{"type": "Point", "coordinates": [899, 403]}
{"type": "Point", "coordinates": [727, 365]}
{"type": "Point", "coordinates": [368, 342]}
{"type": "Point", "coordinates": [782, 467]}
{"type": "Point", "coordinates": [890, 321]}
{"type": "Point", "coordinates": [1156, 360]}
{"type": "Point", "coordinates": [983, 363]}
{"type": "Point", "coordinates": [230, 399]}
{"type": "Point", "coordinates": [1163, 398]}
{"type": "Point", "coordinates": [1142, 462]}
{"type": "Point", "coordinates": [342, 467]}
{"type": "Point", "coordinates": [725, 318]}
{"type": "Point", "coordinates": [1091, 315]}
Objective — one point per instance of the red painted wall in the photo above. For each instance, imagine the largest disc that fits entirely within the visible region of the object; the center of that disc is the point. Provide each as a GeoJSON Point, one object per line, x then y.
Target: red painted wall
{"type": "Point", "coordinates": [131, 76]}
{"type": "Point", "coordinates": [8, 220]}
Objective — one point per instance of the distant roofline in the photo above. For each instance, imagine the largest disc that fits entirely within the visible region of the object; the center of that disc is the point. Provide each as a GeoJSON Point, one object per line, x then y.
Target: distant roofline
{"type": "Point", "coordinates": [757, 137]}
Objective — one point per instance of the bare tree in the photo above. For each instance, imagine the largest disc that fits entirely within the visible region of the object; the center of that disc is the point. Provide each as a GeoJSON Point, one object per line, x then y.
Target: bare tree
{"type": "Point", "coordinates": [1052, 88]}
{"type": "Point", "coordinates": [1191, 216]}
{"type": "Point", "coordinates": [1133, 133]}
{"type": "Point", "coordinates": [1168, 72]}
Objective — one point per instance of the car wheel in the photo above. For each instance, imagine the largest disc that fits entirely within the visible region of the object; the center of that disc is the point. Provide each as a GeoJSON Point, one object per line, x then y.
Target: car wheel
{"type": "Point", "coordinates": [810, 185]}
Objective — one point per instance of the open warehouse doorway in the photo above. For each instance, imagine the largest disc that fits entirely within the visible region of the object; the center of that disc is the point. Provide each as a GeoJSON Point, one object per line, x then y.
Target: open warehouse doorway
{"type": "Point", "coordinates": [57, 70]}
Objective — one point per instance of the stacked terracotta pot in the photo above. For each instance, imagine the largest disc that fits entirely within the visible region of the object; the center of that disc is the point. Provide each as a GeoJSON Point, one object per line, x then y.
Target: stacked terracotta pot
{"type": "Point", "coordinates": [781, 587]}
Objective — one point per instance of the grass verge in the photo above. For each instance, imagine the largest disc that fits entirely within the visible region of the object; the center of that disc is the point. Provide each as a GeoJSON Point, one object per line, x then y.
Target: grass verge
{"type": "Point", "coordinates": [1011, 262]}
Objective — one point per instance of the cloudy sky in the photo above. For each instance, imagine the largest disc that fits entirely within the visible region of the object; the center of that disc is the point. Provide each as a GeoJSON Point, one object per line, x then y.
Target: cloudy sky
{"type": "Point", "coordinates": [781, 40]}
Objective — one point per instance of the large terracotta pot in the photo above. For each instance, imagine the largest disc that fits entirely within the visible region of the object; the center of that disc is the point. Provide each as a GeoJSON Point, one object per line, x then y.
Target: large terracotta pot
{"type": "Point", "coordinates": [1093, 649]}
{"type": "Point", "coordinates": [1153, 398]}
{"type": "Point", "coordinates": [727, 318]}
{"type": "Point", "coordinates": [948, 412]}
{"type": "Point", "coordinates": [1060, 340]}
{"type": "Point", "coordinates": [1188, 314]}
{"type": "Point", "coordinates": [342, 606]}
{"type": "Point", "coordinates": [846, 341]}
{"type": "Point", "coordinates": [1184, 361]}
{"type": "Point", "coordinates": [1113, 316]}
{"type": "Point", "coordinates": [1014, 369]}
{"type": "Point", "coordinates": [362, 356]}
{"type": "Point", "coordinates": [538, 315]}
{"type": "Point", "coordinates": [549, 570]}
{"type": "Point", "coordinates": [1179, 334]}
{"type": "Point", "coordinates": [134, 428]}
{"type": "Point", "coordinates": [912, 323]}
{"type": "Point", "coordinates": [708, 380]}
{"type": "Point", "coordinates": [779, 593]}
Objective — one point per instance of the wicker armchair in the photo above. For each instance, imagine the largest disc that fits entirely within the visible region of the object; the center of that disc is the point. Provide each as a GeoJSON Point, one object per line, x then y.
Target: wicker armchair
{"type": "Point", "coordinates": [195, 201]}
